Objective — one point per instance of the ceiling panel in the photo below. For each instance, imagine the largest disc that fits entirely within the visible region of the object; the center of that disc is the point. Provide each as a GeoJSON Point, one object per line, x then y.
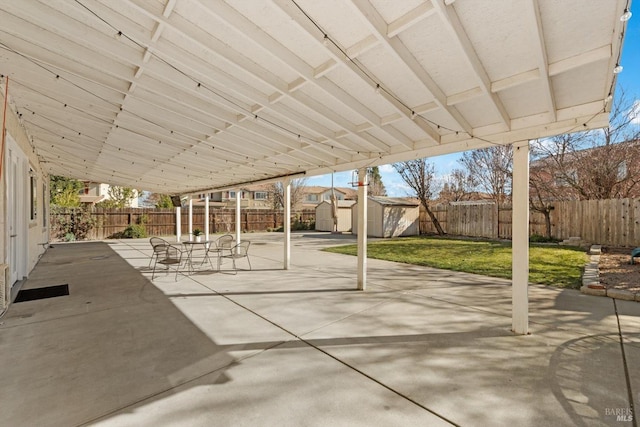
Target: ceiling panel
{"type": "Point", "coordinates": [181, 96]}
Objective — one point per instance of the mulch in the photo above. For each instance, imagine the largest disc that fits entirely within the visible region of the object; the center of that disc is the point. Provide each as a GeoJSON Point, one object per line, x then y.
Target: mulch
{"type": "Point", "coordinates": [616, 270]}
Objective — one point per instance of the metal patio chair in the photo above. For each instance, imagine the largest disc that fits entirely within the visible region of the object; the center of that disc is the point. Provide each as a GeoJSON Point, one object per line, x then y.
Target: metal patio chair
{"type": "Point", "coordinates": [219, 247]}
{"type": "Point", "coordinates": [171, 257]}
{"type": "Point", "coordinates": [241, 250]}
{"type": "Point", "coordinates": [159, 246]}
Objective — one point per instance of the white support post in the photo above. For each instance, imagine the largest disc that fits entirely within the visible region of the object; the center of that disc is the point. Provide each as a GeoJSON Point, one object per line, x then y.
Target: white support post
{"type": "Point", "coordinates": [286, 223]}
{"type": "Point", "coordinates": [238, 215]}
{"type": "Point", "coordinates": [362, 229]}
{"type": "Point", "coordinates": [190, 218]}
{"type": "Point", "coordinates": [520, 238]}
{"type": "Point", "coordinates": [178, 224]}
{"type": "Point", "coordinates": [206, 217]}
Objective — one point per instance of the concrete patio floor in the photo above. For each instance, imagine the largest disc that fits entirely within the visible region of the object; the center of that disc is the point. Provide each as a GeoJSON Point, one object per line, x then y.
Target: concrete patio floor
{"type": "Point", "coordinates": [302, 347]}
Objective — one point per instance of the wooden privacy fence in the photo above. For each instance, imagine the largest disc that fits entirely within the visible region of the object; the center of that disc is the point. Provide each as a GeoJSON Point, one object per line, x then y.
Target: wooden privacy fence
{"type": "Point", "coordinates": [613, 222]}
{"type": "Point", "coordinates": [102, 223]}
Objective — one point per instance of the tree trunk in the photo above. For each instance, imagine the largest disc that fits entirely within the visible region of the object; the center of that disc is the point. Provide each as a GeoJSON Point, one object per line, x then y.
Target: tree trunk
{"type": "Point", "coordinates": [547, 222]}
{"type": "Point", "coordinates": [434, 220]}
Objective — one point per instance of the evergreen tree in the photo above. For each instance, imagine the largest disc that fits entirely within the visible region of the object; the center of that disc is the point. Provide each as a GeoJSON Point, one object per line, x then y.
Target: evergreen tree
{"type": "Point", "coordinates": [376, 186]}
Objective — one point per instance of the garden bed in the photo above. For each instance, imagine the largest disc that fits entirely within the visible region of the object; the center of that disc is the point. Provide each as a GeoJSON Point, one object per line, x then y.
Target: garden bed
{"type": "Point", "coordinates": [616, 272]}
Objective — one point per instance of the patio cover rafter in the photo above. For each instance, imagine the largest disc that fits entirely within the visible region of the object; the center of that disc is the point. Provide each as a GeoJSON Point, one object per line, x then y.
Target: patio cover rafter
{"type": "Point", "coordinates": [241, 91]}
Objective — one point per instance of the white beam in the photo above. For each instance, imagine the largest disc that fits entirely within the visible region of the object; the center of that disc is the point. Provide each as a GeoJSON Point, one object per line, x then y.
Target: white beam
{"type": "Point", "coordinates": [362, 229]}
{"type": "Point", "coordinates": [409, 19]}
{"type": "Point", "coordinates": [244, 65]}
{"type": "Point", "coordinates": [249, 31]}
{"type": "Point", "coordinates": [190, 218]}
{"type": "Point", "coordinates": [286, 222]}
{"type": "Point", "coordinates": [178, 224]}
{"type": "Point", "coordinates": [543, 62]}
{"type": "Point", "coordinates": [395, 46]}
{"type": "Point", "coordinates": [362, 46]}
{"type": "Point", "coordinates": [452, 22]}
{"type": "Point", "coordinates": [599, 54]}
{"type": "Point", "coordinates": [515, 80]}
{"type": "Point", "coordinates": [324, 68]}
{"type": "Point", "coordinates": [520, 242]}
{"type": "Point", "coordinates": [326, 85]}
{"type": "Point", "coordinates": [238, 215]}
{"type": "Point", "coordinates": [458, 98]}
{"type": "Point", "coordinates": [206, 216]}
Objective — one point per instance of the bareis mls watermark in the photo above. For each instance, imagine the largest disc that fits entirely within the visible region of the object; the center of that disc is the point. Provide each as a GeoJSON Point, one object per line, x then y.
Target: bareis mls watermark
{"type": "Point", "coordinates": [620, 414]}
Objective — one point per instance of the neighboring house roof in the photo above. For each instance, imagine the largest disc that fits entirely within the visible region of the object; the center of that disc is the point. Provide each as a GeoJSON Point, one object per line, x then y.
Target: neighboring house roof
{"type": "Point", "coordinates": [316, 189]}
{"type": "Point", "coordinates": [395, 201]}
{"type": "Point", "coordinates": [349, 193]}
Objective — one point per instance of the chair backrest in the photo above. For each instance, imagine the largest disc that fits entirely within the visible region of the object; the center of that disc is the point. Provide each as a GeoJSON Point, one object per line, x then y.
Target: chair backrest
{"type": "Point", "coordinates": [242, 248]}
{"type": "Point", "coordinates": [225, 242]}
{"type": "Point", "coordinates": [172, 255]}
{"type": "Point", "coordinates": [158, 244]}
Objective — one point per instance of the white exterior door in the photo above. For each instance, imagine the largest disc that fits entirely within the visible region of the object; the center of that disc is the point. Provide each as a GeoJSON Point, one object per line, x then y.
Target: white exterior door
{"type": "Point", "coordinates": [16, 173]}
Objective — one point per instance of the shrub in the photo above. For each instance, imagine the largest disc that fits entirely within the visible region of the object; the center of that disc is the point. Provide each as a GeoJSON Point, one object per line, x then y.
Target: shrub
{"type": "Point", "coordinates": [300, 224]}
{"type": "Point", "coordinates": [70, 224]}
{"type": "Point", "coordinates": [536, 238]}
{"type": "Point", "coordinates": [134, 231]}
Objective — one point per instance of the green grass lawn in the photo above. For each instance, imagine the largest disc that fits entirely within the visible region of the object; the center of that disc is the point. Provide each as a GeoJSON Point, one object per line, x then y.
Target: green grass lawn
{"type": "Point", "coordinates": [558, 266]}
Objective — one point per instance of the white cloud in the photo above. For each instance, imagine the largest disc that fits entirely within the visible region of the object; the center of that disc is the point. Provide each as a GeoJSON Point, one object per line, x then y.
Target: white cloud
{"type": "Point", "coordinates": [398, 189]}
{"type": "Point", "coordinates": [386, 168]}
{"type": "Point", "coordinates": [545, 143]}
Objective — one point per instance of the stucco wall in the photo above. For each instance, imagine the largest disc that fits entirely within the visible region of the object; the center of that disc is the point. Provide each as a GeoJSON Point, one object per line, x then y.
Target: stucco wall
{"type": "Point", "coordinates": [37, 229]}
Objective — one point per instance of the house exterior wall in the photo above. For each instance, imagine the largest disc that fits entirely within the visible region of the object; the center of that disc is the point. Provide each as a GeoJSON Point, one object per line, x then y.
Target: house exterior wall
{"type": "Point", "coordinates": [33, 209]}
{"type": "Point", "coordinates": [258, 199]}
{"type": "Point", "coordinates": [95, 192]}
{"type": "Point", "coordinates": [314, 195]}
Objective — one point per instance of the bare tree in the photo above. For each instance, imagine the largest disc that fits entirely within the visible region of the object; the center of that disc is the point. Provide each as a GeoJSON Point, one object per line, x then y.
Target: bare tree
{"type": "Point", "coordinates": [597, 164]}
{"type": "Point", "coordinates": [459, 185]}
{"type": "Point", "coordinates": [491, 169]}
{"type": "Point", "coordinates": [276, 192]}
{"type": "Point", "coordinates": [420, 176]}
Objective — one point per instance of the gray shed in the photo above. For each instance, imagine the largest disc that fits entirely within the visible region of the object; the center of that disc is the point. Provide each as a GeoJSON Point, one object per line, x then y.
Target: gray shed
{"type": "Point", "coordinates": [324, 220]}
{"type": "Point", "coordinates": [389, 217]}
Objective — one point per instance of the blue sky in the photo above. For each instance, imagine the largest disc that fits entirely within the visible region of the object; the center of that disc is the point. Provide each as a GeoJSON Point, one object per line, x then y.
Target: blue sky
{"type": "Point", "coordinates": [629, 79]}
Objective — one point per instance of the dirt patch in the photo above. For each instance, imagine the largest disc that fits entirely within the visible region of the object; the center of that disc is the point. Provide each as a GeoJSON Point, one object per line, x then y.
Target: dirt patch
{"type": "Point", "coordinates": [616, 271]}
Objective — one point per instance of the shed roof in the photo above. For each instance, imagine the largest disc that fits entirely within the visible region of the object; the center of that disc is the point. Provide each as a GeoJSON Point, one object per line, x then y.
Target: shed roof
{"type": "Point", "coordinates": [341, 203]}
{"type": "Point", "coordinates": [395, 201]}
